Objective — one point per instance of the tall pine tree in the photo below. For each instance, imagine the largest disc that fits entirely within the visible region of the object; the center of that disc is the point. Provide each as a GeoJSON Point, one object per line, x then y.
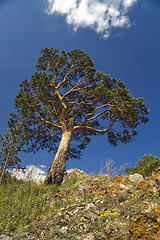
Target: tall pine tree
{"type": "Point", "coordinates": [66, 101]}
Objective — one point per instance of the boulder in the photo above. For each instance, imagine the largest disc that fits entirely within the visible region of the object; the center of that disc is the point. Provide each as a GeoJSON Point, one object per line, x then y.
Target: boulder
{"type": "Point", "coordinates": [73, 172]}
{"type": "Point", "coordinates": [135, 177]}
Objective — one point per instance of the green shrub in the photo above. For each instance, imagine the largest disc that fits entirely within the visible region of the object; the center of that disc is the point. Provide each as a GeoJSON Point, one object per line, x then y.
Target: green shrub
{"type": "Point", "coordinates": [145, 166]}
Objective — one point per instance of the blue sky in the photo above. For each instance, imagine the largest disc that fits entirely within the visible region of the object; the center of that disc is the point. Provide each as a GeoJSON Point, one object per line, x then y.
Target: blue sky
{"type": "Point", "coordinates": [121, 36]}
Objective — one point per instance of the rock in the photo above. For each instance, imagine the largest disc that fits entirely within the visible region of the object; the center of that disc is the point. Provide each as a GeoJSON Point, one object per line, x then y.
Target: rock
{"type": "Point", "coordinates": [4, 237]}
{"type": "Point", "coordinates": [82, 186]}
{"type": "Point", "coordinates": [73, 172]}
{"type": "Point", "coordinates": [143, 225]}
{"type": "Point", "coordinates": [135, 177]}
{"type": "Point", "coordinates": [122, 186]}
{"type": "Point", "coordinates": [149, 207]}
{"type": "Point", "coordinates": [101, 236]}
{"type": "Point", "coordinates": [158, 181]}
{"type": "Point", "coordinates": [64, 229]}
{"type": "Point", "coordinates": [91, 211]}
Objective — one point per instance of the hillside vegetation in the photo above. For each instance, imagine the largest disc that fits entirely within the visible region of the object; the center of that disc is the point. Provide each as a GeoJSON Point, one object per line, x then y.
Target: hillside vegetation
{"type": "Point", "coordinates": [82, 207]}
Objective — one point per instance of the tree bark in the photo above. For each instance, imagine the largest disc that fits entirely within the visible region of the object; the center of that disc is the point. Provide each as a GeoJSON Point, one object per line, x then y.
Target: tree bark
{"type": "Point", "coordinates": [57, 167]}
{"type": "Point", "coordinates": [3, 171]}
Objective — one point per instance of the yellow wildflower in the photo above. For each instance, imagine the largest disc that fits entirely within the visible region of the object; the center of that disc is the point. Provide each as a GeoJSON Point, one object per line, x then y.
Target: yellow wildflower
{"type": "Point", "coordinates": [81, 219]}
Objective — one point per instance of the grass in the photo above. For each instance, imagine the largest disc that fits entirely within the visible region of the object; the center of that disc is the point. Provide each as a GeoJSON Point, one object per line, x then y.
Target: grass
{"type": "Point", "coordinates": [22, 202]}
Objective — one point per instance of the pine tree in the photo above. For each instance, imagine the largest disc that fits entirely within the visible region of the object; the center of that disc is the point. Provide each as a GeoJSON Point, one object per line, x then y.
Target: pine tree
{"type": "Point", "coordinates": [66, 101]}
{"type": "Point", "coordinates": [9, 149]}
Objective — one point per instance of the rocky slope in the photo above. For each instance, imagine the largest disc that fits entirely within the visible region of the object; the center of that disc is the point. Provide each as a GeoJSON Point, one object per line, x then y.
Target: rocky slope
{"type": "Point", "coordinates": [101, 207]}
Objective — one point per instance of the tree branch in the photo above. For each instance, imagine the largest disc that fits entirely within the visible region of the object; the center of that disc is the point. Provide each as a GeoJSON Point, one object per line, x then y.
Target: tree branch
{"type": "Point", "coordinates": [73, 88]}
{"type": "Point", "coordinates": [102, 106]}
{"type": "Point", "coordinates": [47, 122]}
{"type": "Point", "coordinates": [90, 129]}
{"type": "Point", "coordinates": [53, 135]}
{"type": "Point", "coordinates": [99, 114]}
{"type": "Point", "coordinates": [68, 73]}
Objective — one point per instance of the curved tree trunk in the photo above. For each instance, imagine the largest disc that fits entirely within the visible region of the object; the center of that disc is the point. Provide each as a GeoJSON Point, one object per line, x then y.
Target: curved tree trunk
{"type": "Point", "coordinates": [57, 167]}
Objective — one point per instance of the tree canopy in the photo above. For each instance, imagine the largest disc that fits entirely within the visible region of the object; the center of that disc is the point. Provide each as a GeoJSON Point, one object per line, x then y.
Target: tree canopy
{"type": "Point", "coordinates": [66, 94]}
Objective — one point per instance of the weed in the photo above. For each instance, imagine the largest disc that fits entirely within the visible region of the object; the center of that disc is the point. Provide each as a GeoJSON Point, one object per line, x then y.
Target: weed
{"type": "Point", "coordinates": [109, 169]}
{"type": "Point", "coordinates": [20, 203]}
{"type": "Point", "coordinates": [71, 181]}
{"type": "Point", "coordinates": [87, 197]}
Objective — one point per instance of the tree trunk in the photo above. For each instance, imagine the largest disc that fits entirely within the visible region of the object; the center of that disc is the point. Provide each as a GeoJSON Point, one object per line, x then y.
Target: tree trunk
{"type": "Point", "coordinates": [57, 167]}
{"type": "Point", "coordinates": [3, 171]}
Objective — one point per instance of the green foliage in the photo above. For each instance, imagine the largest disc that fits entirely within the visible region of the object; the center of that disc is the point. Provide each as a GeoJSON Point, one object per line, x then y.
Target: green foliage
{"type": "Point", "coordinates": [9, 148]}
{"type": "Point", "coordinates": [68, 94]}
{"type": "Point", "coordinates": [145, 166]}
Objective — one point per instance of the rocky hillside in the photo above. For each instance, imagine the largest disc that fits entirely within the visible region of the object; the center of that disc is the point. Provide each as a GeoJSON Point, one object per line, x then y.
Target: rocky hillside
{"type": "Point", "coordinates": [99, 207]}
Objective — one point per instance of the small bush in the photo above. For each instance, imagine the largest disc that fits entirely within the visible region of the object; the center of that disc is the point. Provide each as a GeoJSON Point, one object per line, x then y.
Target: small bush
{"type": "Point", "coordinates": [145, 166]}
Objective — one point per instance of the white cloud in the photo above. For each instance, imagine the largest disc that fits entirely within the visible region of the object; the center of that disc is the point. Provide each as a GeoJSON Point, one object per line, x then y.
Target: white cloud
{"type": "Point", "coordinates": [128, 3]}
{"type": "Point", "coordinates": [31, 173]}
{"type": "Point", "coordinates": [100, 15]}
